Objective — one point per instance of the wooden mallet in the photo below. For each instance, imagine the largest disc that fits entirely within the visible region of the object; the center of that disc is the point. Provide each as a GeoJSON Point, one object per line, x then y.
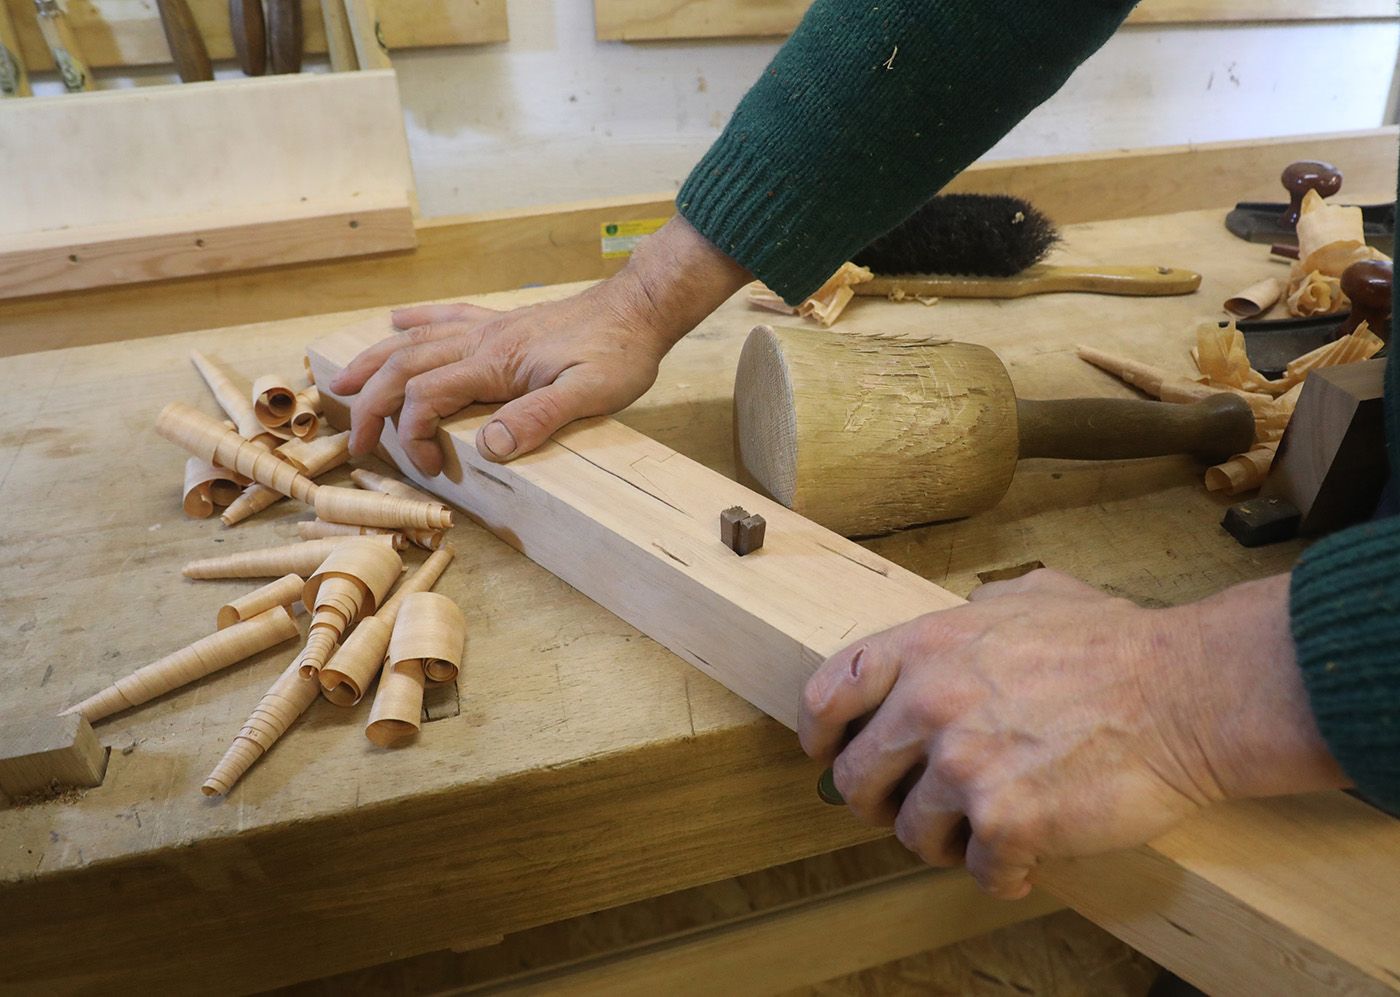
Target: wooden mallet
{"type": "Point", "coordinates": [865, 435]}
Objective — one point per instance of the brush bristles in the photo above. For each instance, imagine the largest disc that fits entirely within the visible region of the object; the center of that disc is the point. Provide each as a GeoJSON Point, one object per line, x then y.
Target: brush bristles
{"type": "Point", "coordinates": [983, 235]}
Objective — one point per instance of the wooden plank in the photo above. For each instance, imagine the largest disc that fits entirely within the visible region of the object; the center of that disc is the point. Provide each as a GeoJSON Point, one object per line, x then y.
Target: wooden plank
{"type": "Point", "coordinates": [41, 754]}
{"type": "Point", "coordinates": [52, 263]}
{"type": "Point", "coordinates": [474, 254]}
{"type": "Point", "coordinates": [1293, 895]}
{"type": "Point", "coordinates": [213, 148]}
{"type": "Point", "coordinates": [115, 33]}
{"type": "Point", "coordinates": [239, 173]}
{"type": "Point", "coordinates": [792, 946]}
{"type": "Point", "coordinates": [654, 20]}
{"type": "Point", "coordinates": [648, 518]}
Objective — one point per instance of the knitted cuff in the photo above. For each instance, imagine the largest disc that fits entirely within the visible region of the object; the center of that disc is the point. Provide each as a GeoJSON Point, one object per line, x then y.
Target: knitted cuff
{"type": "Point", "coordinates": [1345, 613]}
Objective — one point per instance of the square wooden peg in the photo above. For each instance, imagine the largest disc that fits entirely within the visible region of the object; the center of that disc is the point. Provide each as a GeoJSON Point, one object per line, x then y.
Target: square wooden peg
{"type": "Point", "coordinates": [741, 532]}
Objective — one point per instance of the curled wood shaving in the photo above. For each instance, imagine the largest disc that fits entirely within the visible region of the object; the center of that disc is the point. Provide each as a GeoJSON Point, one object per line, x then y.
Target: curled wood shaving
{"type": "Point", "coordinates": [1243, 472]}
{"type": "Point", "coordinates": [1331, 237]}
{"type": "Point", "coordinates": [825, 305]}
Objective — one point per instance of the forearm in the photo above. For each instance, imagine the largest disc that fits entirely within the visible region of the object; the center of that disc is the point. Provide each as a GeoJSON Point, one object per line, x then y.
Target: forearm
{"type": "Point", "coordinates": [675, 279]}
{"type": "Point", "coordinates": [869, 109]}
{"type": "Point", "coordinates": [1247, 706]}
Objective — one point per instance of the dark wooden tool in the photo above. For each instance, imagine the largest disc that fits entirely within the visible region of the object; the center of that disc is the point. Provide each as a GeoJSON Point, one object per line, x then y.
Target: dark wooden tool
{"type": "Point", "coordinates": [1301, 177]}
{"type": "Point", "coordinates": [1276, 223]}
{"type": "Point", "coordinates": [186, 44]}
{"type": "Point", "coordinates": [249, 31]}
{"type": "Point", "coordinates": [1331, 464]}
{"type": "Point", "coordinates": [284, 35]}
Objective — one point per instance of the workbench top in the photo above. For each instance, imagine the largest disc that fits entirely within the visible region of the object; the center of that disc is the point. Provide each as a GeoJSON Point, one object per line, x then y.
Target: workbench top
{"type": "Point", "coordinates": [569, 718]}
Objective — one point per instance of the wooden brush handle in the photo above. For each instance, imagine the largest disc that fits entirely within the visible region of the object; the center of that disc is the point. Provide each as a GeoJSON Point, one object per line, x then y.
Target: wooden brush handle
{"type": "Point", "coordinates": [1040, 279]}
{"type": "Point", "coordinates": [249, 35]}
{"type": "Point", "coordinates": [186, 44]}
{"type": "Point", "coordinates": [284, 33]}
{"type": "Point", "coordinates": [1212, 430]}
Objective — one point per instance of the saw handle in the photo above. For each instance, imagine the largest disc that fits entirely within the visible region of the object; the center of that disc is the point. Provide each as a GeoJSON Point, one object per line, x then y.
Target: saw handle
{"type": "Point", "coordinates": [1305, 175]}
{"type": "Point", "coordinates": [284, 35]}
{"type": "Point", "coordinates": [186, 44]}
{"type": "Point", "coordinates": [1212, 430]}
{"type": "Point", "coordinates": [249, 31]}
{"type": "Point", "coordinates": [1368, 285]}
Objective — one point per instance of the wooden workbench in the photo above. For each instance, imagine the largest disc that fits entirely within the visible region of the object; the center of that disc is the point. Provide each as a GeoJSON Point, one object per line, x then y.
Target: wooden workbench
{"type": "Point", "coordinates": [588, 766]}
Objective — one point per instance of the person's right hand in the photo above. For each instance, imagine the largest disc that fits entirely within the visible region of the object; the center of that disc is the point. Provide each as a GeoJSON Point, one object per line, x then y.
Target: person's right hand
{"type": "Point", "coordinates": [590, 354]}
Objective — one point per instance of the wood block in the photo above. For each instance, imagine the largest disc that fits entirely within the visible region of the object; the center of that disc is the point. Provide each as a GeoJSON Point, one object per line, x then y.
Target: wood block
{"type": "Point", "coordinates": [237, 174]}
{"type": "Point", "coordinates": [1331, 464]}
{"type": "Point", "coordinates": [41, 753]}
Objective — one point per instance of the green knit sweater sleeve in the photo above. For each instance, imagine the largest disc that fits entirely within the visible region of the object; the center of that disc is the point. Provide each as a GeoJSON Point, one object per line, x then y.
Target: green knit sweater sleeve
{"type": "Point", "coordinates": [867, 111]}
{"type": "Point", "coordinates": [1345, 609]}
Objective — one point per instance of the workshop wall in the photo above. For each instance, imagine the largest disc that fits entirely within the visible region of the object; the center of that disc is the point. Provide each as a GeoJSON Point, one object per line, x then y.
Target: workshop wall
{"type": "Point", "coordinates": [554, 115]}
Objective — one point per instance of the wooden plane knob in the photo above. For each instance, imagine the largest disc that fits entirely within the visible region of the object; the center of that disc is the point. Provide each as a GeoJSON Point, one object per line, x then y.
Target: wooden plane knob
{"type": "Point", "coordinates": [1368, 284]}
{"type": "Point", "coordinates": [1308, 174]}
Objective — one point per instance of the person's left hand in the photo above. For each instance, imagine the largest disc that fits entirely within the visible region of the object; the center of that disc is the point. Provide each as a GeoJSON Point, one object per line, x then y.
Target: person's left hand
{"type": "Point", "coordinates": [1045, 719]}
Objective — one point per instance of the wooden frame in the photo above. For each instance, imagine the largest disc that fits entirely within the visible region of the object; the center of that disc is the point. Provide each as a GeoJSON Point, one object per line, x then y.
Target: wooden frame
{"type": "Point", "coordinates": [266, 171]}
{"type": "Point", "coordinates": [656, 20]}
{"type": "Point", "coordinates": [1291, 894]}
{"type": "Point", "coordinates": [474, 254]}
{"type": "Point", "coordinates": [114, 33]}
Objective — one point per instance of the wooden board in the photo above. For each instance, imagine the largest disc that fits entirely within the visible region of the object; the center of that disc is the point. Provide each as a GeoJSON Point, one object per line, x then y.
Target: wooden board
{"type": "Point", "coordinates": [589, 767]}
{"type": "Point", "coordinates": [652, 20]}
{"type": "Point", "coordinates": [124, 33]}
{"type": "Point", "coordinates": [555, 244]}
{"type": "Point", "coordinates": [635, 526]}
{"type": "Point", "coordinates": [235, 174]}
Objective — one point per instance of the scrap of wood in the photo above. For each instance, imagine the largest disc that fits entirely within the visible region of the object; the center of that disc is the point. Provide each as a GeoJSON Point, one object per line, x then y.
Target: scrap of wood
{"type": "Point", "coordinates": [45, 754]}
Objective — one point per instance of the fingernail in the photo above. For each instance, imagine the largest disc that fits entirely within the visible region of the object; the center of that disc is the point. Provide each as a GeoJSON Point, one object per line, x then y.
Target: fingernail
{"type": "Point", "coordinates": [496, 437]}
{"type": "Point", "coordinates": [855, 663]}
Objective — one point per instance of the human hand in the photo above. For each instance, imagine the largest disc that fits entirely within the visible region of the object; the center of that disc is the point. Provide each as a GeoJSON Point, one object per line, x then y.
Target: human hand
{"type": "Point", "coordinates": [1048, 720]}
{"type": "Point", "coordinates": [590, 354]}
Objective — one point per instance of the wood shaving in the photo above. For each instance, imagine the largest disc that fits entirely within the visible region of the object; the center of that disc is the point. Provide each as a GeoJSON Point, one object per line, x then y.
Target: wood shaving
{"type": "Point", "coordinates": [1331, 237]}
{"type": "Point", "coordinates": [1244, 472]}
{"type": "Point", "coordinates": [825, 305]}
